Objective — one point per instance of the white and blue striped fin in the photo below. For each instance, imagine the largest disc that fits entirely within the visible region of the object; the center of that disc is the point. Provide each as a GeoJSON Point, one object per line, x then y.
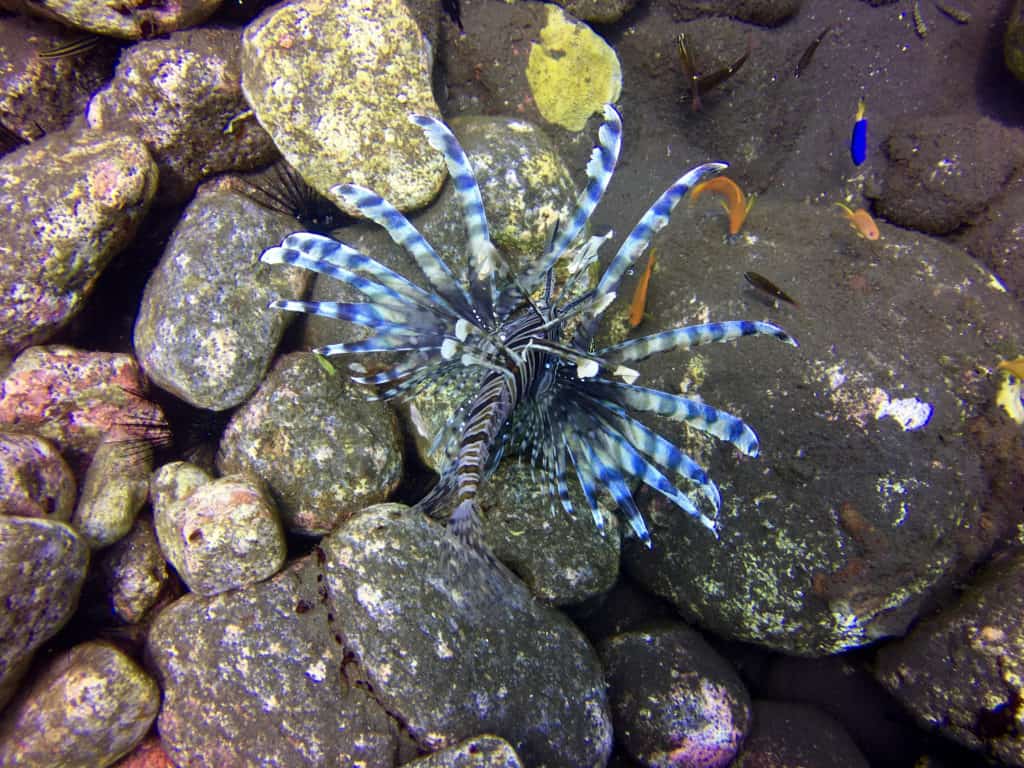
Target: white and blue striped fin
{"type": "Point", "coordinates": [602, 162]}
{"type": "Point", "coordinates": [382, 342]}
{"type": "Point", "coordinates": [403, 233]}
{"type": "Point", "coordinates": [483, 256]}
{"type": "Point", "coordinates": [698, 415]}
{"type": "Point", "coordinates": [324, 255]}
{"type": "Point", "coordinates": [576, 446]}
{"type": "Point", "coordinates": [618, 451]}
{"type": "Point", "coordinates": [661, 451]}
{"type": "Point", "coordinates": [635, 350]}
{"type": "Point", "coordinates": [370, 315]}
{"type": "Point", "coordinates": [636, 242]}
{"type": "Point", "coordinates": [608, 475]}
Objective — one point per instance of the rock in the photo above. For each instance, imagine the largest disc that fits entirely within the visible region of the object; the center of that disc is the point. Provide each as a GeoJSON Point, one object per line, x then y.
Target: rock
{"type": "Point", "coordinates": [223, 535]}
{"type": "Point", "coordinates": [961, 671]}
{"type": "Point", "coordinates": [597, 11]}
{"type": "Point", "coordinates": [42, 568]}
{"type": "Point", "coordinates": [1013, 42]}
{"type": "Point", "coordinates": [73, 199]}
{"type": "Point", "coordinates": [479, 752]}
{"type": "Point", "coordinates": [563, 559]}
{"type": "Point", "coordinates": [322, 445]}
{"type": "Point", "coordinates": [572, 72]}
{"type": "Point", "coordinates": [132, 21]}
{"type": "Point", "coordinates": [87, 707]}
{"type": "Point", "coordinates": [35, 481]}
{"type": "Point", "coordinates": [115, 488]}
{"type": "Point", "coordinates": [942, 171]}
{"type": "Point", "coordinates": [256, 677]}
{"type": "Point", "coordinates": [334, 85]}
{"type": "Point", "coordinates": [846, 524]}
{"type": "Point", "coordinates": [204, 332]}
{"type": "Point", "coordinates": [149, 753]}
{"type": "Point", "coordinates": [78, 399]}
{"type": "Point", "coordinates": [674, 701]}
{"type": "Point", "coordinates": [455, 647]}
{"type": "Point", "coordinates": [997, 238]}
{"type": "Point", "coordinates": [133, 573]}
{"type": "Point", "coordinates": [786, 734]}
{"type": "Point", "coordinates": [768, 13]}
{"type": "Point", "coordinates": [40, 96]}
{"type": "Point", "coordinates": [183, 97]}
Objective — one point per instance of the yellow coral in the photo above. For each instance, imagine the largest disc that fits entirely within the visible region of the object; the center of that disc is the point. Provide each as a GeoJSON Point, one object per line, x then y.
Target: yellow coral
{"type": "Point", "coordinates": [572, 72]}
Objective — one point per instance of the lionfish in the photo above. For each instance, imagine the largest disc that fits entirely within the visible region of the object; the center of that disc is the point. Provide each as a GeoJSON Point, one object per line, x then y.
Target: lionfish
{"type": "Point", "coordinates": [523, 348]}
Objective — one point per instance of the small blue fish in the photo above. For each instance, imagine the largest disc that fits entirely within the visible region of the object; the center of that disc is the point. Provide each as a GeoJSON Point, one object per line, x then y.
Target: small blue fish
{"type": "Point", "coordinates": [859, 138]}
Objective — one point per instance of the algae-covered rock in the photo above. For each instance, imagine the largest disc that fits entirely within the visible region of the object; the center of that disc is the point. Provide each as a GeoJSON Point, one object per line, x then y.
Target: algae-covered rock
{"type": "Point", "coordinates": [961, 671]}
{"type": "Point", "coordinates": [42, 568]}
{"type": "Point", "coordinates": [35, 481]}
{"type": "Point", "coordinates": [257, 676]}
{"type": "Point", "coordinates": [562, 558]}
{"type": "Point", "coordinates": [675, 702]}
{"type": "Point", "coordinates": [71, 201]}
{"type": "Point", "coordinates": [131, 19]}
{"type": "Point", "coordinates": [115, 488]}
{"type": "Point", "coordinates": [183, 97]}
{"type": "Point", "coordinates": [204, 331]}
{"type": "Point", "coordinates": [87, 707]}
{"type": "Point", "coordinates": [572, 71]}
{"type": "Point", "coordinates": [454, 648]}
{"type": "Point", "coordinates": [1013, 42]}
{"type": "Point", "coordinates": [78, 399]}
{"type": "Point", "coordinates": [334, 84]}
{"type": "Point", "coordinates": [319, 441]}
{"type": "Point", "coordinates": [223, 535]}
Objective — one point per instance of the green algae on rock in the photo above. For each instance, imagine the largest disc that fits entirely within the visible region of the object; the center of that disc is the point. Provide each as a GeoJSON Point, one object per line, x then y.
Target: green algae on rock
{"type": "Point", "coordinates": [572, 72]}
{"type": "Point", "coordinates": [71, 201]}
{"type": "Point", "coordinates": [88, 707]}
{"type": "Point", "coordinates": [334, 84]}
{"type": "Point", "coordinates": [203, 331]}
{"type": "Point", "coordinates": [317, 440]}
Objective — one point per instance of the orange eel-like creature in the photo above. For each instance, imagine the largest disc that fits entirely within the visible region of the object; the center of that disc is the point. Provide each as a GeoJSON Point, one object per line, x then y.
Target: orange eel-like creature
{"type": "Point", "coordinates": [736, 204]}
{"type": "Point", "coordinates": [861, 221]}
{"type": "Point", "coordinates": [639, 303]}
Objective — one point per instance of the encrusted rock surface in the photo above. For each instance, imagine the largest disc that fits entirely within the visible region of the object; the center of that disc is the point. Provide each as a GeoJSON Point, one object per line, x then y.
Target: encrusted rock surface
{"type": "Point", "coordinates": [334, 84]}
{"type": "Point", "coordinates": [115, 488]}
{"type": "Point", "coordinates": [133, 572]}
{"type": "Point", "coordinates": [77, 399]}
{"type": "Point", "coordinates": [255, 676]}
{"type": "Point", "coordinates": [131, 20]}
{"type": "Point", "coordinates": [35, 481]}
{"type": "Point", "coordinates": [72, 200]}
{"type": "Point", "coordinates": [204, 331]}
{"type": "Point", "coordinates": [675, 702]}
{"type": "Point", "coordinates": [453, 647]}
{"type": "Point", "coordinates": [183, 97]}
{"type": "Point", "coordinates": [224, 534]}
{"type": "Point", "coordinates": [318, 441]}
{"type": "Point", "coordinates": [87, 707]}
{"type": "Point", "coordinates": [961, 671]}
{"type": "Point", "coordinates": [42, 568]}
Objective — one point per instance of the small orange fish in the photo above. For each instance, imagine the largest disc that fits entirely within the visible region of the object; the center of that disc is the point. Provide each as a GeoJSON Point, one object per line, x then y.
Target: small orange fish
{"type": "Point", "coordinates": [734, 201]}
{"type": "Point", "coordinates": [1014, 367]}
{"type": "Point", "coordinates": [639, 303]}
{"type": "Point", "coordinates": [861, 221]}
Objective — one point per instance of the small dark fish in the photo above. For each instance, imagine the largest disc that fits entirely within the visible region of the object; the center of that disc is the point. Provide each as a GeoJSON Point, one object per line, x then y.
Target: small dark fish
{"type": "Point", "coordinates": [808, 54]}
{"type": "Point", "coordinates": [71, 48]}
{"type": "Point", "coordinates": [703, 83]}
{"type": "Point", "coordinates": [454, 11]}
{"type": "Point", "coordinates": [766, 286]}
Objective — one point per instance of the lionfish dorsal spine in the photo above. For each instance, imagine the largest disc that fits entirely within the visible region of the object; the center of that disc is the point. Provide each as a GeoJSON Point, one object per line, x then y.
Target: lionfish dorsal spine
{"type": "Point", "coordinates": [401, 231]}
{"type": "Point", "coordinates": [635, 350]}
{"type": "Point", "coordinates": [636, 242]}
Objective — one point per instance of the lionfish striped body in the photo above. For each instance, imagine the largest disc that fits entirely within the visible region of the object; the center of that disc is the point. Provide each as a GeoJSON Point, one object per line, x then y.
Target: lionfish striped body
{"type": "Point", "coordinates": [523, 348]}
